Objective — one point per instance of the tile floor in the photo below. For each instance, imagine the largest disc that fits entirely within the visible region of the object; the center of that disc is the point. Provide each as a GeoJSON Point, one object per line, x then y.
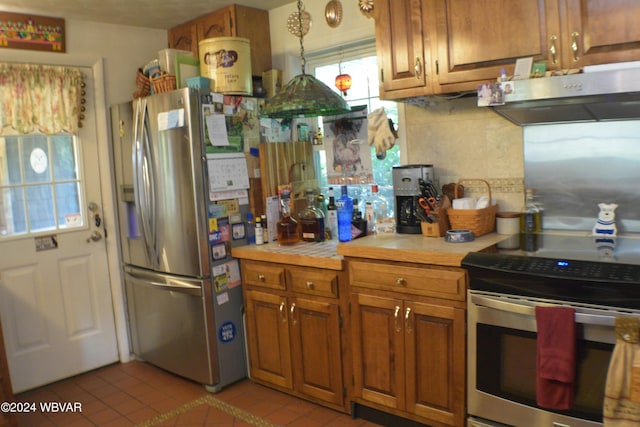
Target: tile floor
{"type": "Point", "coordinates": [138, 394]}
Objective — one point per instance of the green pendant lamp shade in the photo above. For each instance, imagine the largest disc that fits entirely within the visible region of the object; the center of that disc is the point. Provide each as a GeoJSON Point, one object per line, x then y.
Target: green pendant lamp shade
{"type": "Point", "coordinates": [304, 95]}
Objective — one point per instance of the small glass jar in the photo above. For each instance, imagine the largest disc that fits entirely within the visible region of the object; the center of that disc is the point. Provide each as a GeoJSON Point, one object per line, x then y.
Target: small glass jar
{"type": "Point", "coordinates": [508, 222]}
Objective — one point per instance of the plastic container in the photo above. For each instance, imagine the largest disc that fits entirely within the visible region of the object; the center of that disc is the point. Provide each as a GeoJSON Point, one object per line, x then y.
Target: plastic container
{"type": "Point", "coordinates": [167, 59]}
{"type": "Point", "coordinates": [198, 82]}
{"type": "Point", "coordinates": [227, 61]}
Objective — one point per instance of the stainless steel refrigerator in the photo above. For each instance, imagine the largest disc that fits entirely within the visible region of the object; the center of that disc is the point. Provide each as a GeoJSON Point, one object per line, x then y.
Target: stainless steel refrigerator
{"type": "Point", "coordinates": [183, 290]}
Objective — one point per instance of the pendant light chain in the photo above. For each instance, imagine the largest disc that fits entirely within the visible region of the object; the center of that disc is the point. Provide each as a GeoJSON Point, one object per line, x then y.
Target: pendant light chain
{"type": "Point", "coordinates": [303, 60]}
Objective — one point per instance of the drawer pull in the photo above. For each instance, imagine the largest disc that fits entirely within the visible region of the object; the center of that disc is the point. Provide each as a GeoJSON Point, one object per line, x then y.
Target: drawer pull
{"type": "Point", "coordinates": [407, 324]}
{"type": "Point", "coordinates": [261, 277]}
{"type": "Point", "coordinates": [401, 282]}
{"type": "Point", "coordinates": [310, 286]}
{"type": "Point", "coordinates": [395, 319]}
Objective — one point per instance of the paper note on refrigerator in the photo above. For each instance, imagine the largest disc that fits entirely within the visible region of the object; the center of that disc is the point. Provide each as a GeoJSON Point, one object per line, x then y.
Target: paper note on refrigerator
{"type": "Point", "coordinates": [171, 119]}
{"type": "Point", "coordinates": [217, 129]}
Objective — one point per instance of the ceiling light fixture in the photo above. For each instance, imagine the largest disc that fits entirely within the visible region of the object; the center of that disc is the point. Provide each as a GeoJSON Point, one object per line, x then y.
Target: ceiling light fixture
{"type": "Point", "coordinates": [304, 95]}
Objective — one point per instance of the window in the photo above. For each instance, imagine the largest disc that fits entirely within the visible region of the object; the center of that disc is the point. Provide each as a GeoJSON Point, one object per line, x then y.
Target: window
{"type": "Point", "coordinates": [360, 62]}
{"type": "Point", "coordinates": [39, 184]}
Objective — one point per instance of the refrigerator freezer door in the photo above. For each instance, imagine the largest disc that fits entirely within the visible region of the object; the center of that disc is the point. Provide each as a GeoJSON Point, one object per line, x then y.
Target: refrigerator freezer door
{"type": "Point", "coordinates": [167, 323]}
{"type": "Point", "coordinates": [122, 136]}
{"type": "Point", "coordinates": [170, 184]}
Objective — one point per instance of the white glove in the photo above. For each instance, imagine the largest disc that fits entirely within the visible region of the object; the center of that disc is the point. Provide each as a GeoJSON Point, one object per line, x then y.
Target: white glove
{"type": "Point", "coordinates": [379, 132]}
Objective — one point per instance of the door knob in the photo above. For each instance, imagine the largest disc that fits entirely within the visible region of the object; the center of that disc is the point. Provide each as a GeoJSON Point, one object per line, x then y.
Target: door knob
{"type": "Point", "coordinates": [95, 236]}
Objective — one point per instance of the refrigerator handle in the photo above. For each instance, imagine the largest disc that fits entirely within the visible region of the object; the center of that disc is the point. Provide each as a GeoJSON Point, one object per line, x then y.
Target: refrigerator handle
{"type": "Point", "coordinates": [141, 181]}
{"type": "Point", "coordinates": [167, 284]}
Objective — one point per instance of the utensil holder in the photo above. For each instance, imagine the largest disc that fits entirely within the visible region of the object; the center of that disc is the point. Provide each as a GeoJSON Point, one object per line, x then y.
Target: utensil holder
{"type": "Point", "coordinates": [439, 227]}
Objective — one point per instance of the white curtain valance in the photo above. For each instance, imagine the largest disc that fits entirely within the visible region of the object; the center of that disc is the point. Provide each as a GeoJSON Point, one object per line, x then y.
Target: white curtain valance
{"type": "Point", "coordinates": [39, 98]}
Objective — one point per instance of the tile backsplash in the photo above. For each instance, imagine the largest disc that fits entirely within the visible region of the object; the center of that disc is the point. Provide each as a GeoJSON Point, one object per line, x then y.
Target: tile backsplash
{"type": "Point", "coordinates": [464, 141]}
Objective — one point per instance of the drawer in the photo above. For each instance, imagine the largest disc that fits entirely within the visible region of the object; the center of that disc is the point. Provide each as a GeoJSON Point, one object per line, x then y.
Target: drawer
{"type": "Point", "coordinates": [263, 275]}
{"type": "Point", "coordinates": [424, 281]}
{"type": "Point", "coordinates": [313, 281]}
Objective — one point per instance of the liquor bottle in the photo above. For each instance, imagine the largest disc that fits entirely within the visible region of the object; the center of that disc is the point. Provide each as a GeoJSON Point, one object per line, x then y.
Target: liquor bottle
{"type": "Point", "coordinates": [531, 215]}
{"type": "Point", "coordinates": [344, 207]}
{"type": "Point", "coordinates": [358, 224]}
{"type": "Point", "coordinates": [311, 220]}
{"type": "Point", "coordinates": [332, 216]}
{"type": "Point", "coordinates": [265, 229]}
{"type": "Point", "coordinates": [287, 226]}
{"type": "Point", "coordinates": [259, 234]}
{"type": "Point", "coordinates": [251, 229]}
{"type": "Point", "coordinates": [375, 207]}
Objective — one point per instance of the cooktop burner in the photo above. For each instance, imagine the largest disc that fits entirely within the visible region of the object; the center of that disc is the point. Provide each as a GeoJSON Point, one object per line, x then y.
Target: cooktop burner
{"type": "Point", "coordinates": [581, 268]}
{"type": "Point", "coordinates": [605, 249]}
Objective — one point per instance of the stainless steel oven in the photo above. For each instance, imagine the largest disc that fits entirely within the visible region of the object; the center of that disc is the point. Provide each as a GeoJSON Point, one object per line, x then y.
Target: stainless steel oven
{"type": "Point", "coordinates": [505, 288]}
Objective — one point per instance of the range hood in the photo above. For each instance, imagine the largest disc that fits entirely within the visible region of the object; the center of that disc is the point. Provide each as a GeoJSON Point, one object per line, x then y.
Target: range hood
{"type": "Point", "coordinates": [601, 92]}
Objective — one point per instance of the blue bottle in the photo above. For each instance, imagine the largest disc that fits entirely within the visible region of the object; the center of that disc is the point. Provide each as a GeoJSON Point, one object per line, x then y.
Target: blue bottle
{"type": "Point", "coordinates": [344, 206]}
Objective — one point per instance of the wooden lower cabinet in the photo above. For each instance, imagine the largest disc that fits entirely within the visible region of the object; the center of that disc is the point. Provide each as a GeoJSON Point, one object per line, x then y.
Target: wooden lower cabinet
{"type": "Point", "coordinates": [294, 336]}
{"type": "Point", "coordinates": [408, 350]}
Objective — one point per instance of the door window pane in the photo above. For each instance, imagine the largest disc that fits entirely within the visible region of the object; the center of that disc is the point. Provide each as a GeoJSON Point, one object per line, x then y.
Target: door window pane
{"type": "Point", "coordinates": [40, 187]}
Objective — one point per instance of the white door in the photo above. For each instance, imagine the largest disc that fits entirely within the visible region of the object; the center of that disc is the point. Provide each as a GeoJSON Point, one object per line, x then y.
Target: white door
{"type": "Point", "coordinates": [55, 298]}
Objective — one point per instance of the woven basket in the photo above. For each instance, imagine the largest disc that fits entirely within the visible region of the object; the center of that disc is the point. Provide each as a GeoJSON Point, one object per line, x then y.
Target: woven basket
{"type": "Point", "coordinates": [163, 83]}
{"type": "Point", "coordinates": [479, 221]}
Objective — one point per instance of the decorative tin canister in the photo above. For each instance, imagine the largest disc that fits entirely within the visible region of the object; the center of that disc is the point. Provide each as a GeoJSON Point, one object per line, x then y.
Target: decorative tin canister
{"type": "Point", "coordinates": [227, 61]}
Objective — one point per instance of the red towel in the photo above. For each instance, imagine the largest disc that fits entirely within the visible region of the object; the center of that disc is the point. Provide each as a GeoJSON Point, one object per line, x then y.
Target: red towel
{"type": "Point", "coordinates": [556, 357]}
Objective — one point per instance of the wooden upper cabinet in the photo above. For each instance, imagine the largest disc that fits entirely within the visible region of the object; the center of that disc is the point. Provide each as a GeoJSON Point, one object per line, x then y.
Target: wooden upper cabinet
{"type": "Point", "coordinates": [231, 21]}
{"type": "Point", "coordinates": [183, 37]}
{"type": "Point", "coordinates": [475, 40]}
{"type": "Point", "coordinates": [458, 44]}
{"type": "Point", "coordinates": [400, 44]}
{"type": "Point", "coordinates": [600, 32]}
{"type": "Point", "coordinates": [216, 24]}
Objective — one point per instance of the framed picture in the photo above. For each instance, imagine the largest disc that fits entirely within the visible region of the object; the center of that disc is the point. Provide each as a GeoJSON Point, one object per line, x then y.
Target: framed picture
{"type": "Point", "coordinates": [32, 32]}
{"type": "Point", "coordinates": [523, 68]}
{"type": "Point", "coordinates": [186, 66]}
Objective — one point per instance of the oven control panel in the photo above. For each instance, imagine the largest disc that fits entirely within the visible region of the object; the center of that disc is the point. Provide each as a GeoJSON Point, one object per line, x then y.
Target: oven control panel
{"type": "Point", "coordinates": [551, 267]}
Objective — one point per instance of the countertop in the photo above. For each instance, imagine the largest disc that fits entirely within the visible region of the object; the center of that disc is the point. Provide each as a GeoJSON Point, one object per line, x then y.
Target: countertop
{"type": "Point", "coordinates": [399, 247]}
{"type": "Point", "coordinates": [415, 248]}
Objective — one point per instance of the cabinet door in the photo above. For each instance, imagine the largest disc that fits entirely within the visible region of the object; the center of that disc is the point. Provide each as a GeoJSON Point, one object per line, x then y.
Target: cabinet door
{"type": "Point", "coordinates": [435, 362]}
{"type": "Point", "coordinates": [183, 37]}
{"type": "Point", "coordinates": [216, 24]}
{"type": "Point", "coordinates": [268, 338]}
{"type": "Point", "coordinates": [601, 31]}
{"type": "Point", "coordinates": [378, 350]}
{"type": "Point", "coordinates": [315, 342]}
{"type": "Point", "coordinates": [475, 40]}
{"type": "Point", "coordinates": [400, 47]}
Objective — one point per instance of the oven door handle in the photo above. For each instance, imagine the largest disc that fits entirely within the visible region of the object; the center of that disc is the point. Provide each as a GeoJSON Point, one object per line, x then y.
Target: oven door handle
{"type": "Point", "coordinates": [608, 319]}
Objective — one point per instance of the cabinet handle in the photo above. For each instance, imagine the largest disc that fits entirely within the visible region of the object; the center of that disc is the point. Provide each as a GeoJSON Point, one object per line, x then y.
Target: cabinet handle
{"type": "Point", "coordinates": [407, 324]}
{"type": "Point", "coordinates": [291, 313]}
{"type": "Point", "coordinates": [261, 277]}
{"type": "Point", "coordinates": [553, 50]}
{"type": "Point", "coordinates": [574, 46]}
{"type": "Point", "coordinates": [418, 68]}
{"type": "Point", "coordinates": [283, 315]}
{"type": "Point", "coordinates": [310, 285]}
{"type": "Point", "coordinates": [401, 282]}
{"type": "Point", "coordinates": [395, 319]}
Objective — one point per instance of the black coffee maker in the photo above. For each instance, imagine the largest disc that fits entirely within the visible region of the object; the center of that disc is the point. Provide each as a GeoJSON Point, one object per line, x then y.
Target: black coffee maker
{"type": "Point", "coordinates": [406, 190]}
